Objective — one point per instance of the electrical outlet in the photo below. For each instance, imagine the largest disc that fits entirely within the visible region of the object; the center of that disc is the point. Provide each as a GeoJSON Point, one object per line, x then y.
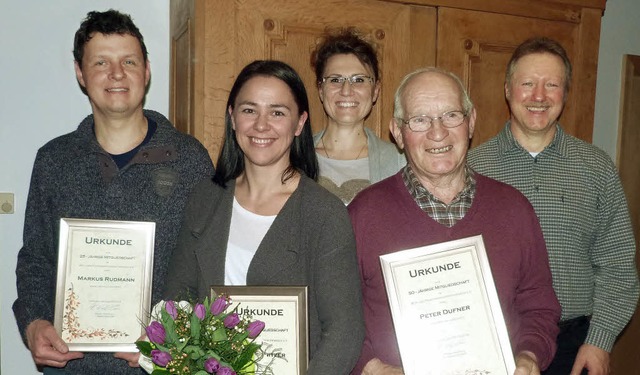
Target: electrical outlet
{"type": "Point", "coordinates": [6, 203]}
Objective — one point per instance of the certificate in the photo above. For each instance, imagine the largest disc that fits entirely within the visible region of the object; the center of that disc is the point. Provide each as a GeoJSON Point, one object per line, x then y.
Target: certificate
{"type": "Point", "coordinates": [283, 309]}
{"type": "Point", "coordinates": [445, 310]}
{"type": "Point", "coordinates": [103, 291]}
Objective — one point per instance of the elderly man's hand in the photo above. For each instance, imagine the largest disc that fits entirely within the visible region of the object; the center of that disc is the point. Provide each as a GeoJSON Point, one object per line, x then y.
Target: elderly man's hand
{"type": "Point", "coordinates": [526, 364]}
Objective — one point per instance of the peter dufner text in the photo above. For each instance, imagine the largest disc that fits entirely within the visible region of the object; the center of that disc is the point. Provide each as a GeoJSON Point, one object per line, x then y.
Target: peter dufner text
{"type": "Point", "coordinates": [442, 312]}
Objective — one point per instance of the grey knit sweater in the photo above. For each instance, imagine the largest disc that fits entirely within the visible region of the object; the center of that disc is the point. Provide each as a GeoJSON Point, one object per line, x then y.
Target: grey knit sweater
{"type": "Point", "coordinates": [73, 177]}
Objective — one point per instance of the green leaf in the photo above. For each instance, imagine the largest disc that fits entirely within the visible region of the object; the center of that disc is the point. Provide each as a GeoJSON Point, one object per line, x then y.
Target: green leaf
{"type": "Point", "coordinates": [195, 352]}
{"type": "Point", "coordinates": [145, 347]}
{"type": "Point", "coordinates": [201, 372]}
{"type": "Point", "coordinates": [246, 356]}
{"type": "Point", "coordinates": [170, 329]}
{"type": "Point", "coordinates": [219, 335]}
{"type": "Point", "coordinates": [164, 348]}
{"type": "Point", "coordinates": [160, 372]}
{"type": "Point", "coordinates": [224, 363]}
{"type": "Point", "coordinates": [195, 326]}
{"type": "Point", "coordinates": [169, 325]}
{"type": "Point", "coordinates": [164, 316]}
{"type": "Point", "coordinates": [180, 345]}
{"type": "Point", "coordinates": [241, 337]}
{"type": "Point", "coordinates": [250, 368]}
{"type": "Point", "coordinates": [211, 353]}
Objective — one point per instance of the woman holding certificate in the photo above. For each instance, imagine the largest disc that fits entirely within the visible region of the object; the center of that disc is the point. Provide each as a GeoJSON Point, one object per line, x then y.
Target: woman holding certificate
{"type": "Point", "coordinates": [263, 220]}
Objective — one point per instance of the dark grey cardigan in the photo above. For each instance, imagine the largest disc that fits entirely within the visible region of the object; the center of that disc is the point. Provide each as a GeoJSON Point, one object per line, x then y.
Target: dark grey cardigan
{"type": "Point", "coordinates": [309, 243]}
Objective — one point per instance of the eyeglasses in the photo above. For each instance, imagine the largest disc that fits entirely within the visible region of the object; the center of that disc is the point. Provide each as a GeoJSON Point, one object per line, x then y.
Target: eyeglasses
{"type": "Point", "coordinates": [357, 80]}
{"type": "Point", "coordinates": [422, 123]}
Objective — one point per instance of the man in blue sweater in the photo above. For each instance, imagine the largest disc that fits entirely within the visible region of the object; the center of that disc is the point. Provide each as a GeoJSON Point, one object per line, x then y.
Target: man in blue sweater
{"type": "Point", "coordinates": [122, 163]}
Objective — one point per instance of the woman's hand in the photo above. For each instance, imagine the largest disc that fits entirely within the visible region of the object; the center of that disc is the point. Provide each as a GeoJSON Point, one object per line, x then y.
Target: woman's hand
{"type": "Point", "coordinates": [377, 367]}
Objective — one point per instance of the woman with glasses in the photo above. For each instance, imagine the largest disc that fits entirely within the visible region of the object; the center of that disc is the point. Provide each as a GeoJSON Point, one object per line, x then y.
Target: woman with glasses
{"type": "Point", "coordinates": [263, 220]}
{"type": "Point", "coordinates": [350, 155]}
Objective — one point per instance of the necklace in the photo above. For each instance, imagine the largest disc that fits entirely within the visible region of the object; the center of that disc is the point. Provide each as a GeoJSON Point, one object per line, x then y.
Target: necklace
{"type": "Point", "coordinates": [326, 152]}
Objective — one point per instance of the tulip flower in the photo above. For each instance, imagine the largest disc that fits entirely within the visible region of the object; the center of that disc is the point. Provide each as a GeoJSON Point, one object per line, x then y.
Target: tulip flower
{"type": "Point", "coordinates": [211, 365]}
{"type": "Point", "coordinates": [200, 311]}
{"type": "Point", "coordinates": [218, 306]}
{"type": "Point", "coordinates": [254, 328]}
{"type": "Point", "coordinates": [160, 358]}
{"type": "Point", "coordinates": [231, 320]}
{"type": "Point", "coordinates": [225, 371]}
{"type": "Point", "coordinates": [156, 333]}
{"type": "Point", "coordinates": [170, 306]}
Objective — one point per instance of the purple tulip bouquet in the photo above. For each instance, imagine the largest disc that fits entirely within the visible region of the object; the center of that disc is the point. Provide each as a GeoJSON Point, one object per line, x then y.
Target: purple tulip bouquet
{"type": "Point", "coordinates": [202, 339]}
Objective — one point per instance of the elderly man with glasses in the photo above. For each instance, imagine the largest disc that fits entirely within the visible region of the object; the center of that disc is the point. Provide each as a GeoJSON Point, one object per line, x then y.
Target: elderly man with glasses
{"type": "Point", "coordinates": [438, 198]}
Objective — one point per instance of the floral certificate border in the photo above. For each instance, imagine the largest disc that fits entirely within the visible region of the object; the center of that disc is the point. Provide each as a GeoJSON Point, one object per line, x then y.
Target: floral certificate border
{"type": "Point", "coordinates": [103, 291]}
{"type": "Point", "coordinates": [446, 311]}
{"type": "Point", "coordinates": [283, 309]}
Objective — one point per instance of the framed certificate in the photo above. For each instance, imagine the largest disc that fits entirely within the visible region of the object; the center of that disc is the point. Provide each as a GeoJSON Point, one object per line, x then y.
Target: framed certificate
{"type": "Point", "coordinates": [446, 310]}
{"type": "Point", "coordinates": [283, 309]}
{"type": "Point", "coordinates": [103, 292]}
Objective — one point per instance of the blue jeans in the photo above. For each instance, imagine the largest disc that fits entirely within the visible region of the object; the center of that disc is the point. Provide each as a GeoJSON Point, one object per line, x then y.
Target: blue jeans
{"type": "Point", "coordinates": [572, 334]}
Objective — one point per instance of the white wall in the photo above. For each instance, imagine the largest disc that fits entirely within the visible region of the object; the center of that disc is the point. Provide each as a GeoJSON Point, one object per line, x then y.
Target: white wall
{"type": "Point", "coordinates": [39, 100]}
{"type": "Point", "coordinates": [618, 36]}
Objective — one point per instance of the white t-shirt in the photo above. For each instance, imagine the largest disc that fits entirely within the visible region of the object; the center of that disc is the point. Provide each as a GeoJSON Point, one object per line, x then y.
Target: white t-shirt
{"type": "Point", "coordinates": [344, 178]}
{"type": "Point", "coordinates": [245, 235]}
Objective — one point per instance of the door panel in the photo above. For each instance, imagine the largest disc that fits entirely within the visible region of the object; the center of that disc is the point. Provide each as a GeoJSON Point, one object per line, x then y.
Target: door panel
{"type": "Point", "coordinates": [626, 346]}
{"type": "Point", "coordinates": [478, 45]}
{"type": "Point", "coordinates": [214, 39]}
{"type": "Point", "coordinates": [273, 29]}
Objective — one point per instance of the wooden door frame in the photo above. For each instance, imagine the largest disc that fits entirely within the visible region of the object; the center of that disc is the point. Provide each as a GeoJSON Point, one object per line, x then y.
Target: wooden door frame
{"type": "Point", "coordinates": [624, 352]}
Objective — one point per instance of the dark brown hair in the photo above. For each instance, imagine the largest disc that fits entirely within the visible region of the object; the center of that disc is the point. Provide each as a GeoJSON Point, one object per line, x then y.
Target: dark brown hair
{"type": "Point", "coordinates": [107, 23]}
{"type": "Point", "coordinates": [302, 156]}
{"type": "Point", "coordinates": [344, 41]}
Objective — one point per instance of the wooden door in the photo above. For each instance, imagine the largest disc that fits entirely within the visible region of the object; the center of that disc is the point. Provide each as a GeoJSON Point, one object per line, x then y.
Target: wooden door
{"type": "Point", "coordinates": [478, 45]}
{"type": "Point", "coordinates": [238, 32]}
{"type": "Point", "coordinates": [629, 139]}
{"type": "Point", "coordinates": [624, 355]}
{"type": "Point", "coordinates": [186, 110]}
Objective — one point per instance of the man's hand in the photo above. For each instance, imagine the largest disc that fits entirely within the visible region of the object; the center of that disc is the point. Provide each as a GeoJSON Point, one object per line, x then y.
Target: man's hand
{"type": "Point", "coordinates": [526, 364]}
{"type": "Point", "coordinates": [377, 367]}
{"type": "Point", "coordinates": [47, 348]}
{"type": "Point", "coordinates": [131, 358]}
{"type": "Point", "coordinates": [592, 358]}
